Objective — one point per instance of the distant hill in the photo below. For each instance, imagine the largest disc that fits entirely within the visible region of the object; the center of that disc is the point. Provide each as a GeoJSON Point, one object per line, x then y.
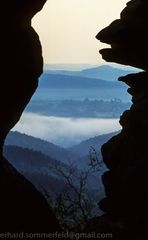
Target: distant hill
{"type": "Point", "coordinates": [36, 144]}
{"type": "Point", "coordinates": [42, 150]}
{"type": "Point", "coordinates": [41, 171]}
{"type": "Point", "coordinates": [82, 149]}
{"type": "Point", "coordinates": [92, 83]}
{"type": "Point", "coordinates": [104, 72]}
{"type": "Point", "coordinates": [67, 66]}
{"type": "Point", "coordinates": [28, 160]}
{"type": "Point", "coordinates": [36, 167]}
{"type": "Point", "coordinates": [31, 156]}
{"type": "Point", "coordinates": [79, 109]}
{"type": "Point", "coordinates": [49, 80]}
{"type": "Point", "coordinates": [72, 154]}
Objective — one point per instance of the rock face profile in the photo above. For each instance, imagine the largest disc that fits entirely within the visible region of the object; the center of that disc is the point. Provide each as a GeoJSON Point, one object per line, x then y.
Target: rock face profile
{"type": "Point", "coordinates": [126, 155]}
{"type": "Point", "coordinates": [22, 207]}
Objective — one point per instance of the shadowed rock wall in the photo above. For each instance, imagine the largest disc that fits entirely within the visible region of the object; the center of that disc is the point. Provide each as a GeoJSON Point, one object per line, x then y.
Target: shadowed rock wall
{"type": "Point", "coordinates": [22, 207]}
{"type": "Point", "coordinates": [126, 155]}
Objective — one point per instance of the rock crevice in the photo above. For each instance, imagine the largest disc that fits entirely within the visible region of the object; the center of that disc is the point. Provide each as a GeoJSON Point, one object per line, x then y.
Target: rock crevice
{"type": "Point", "coordinates": [22, 207]}
{"type": "Point", "coordinates": [126, 155]}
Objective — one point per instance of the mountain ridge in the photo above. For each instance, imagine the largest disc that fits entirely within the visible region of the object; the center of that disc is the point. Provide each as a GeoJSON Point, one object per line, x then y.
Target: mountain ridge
{"type": "Point", "coordinates": [73, 153]}
{"type": "Point", "coordinates": [82, 149]}
{"type": "Point", "coordinates": [49, 80]}
{"type": "Point", "coordinates": [37, 144]}
{"type": "Point", "coordinates": [104, 72]}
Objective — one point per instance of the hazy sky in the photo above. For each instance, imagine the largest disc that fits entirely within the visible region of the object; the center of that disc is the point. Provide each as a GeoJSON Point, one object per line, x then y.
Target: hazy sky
{"type": "Point", "coordinates": [67, 29]}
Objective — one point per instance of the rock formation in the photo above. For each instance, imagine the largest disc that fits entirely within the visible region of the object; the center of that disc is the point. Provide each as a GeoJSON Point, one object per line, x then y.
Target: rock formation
{"type": "Point", "coordinates": [22, 207]}
{"type": "Point", "coordinates": [126, 155]}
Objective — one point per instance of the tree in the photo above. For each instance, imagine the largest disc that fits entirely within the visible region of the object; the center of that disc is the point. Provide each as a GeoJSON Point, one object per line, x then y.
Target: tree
{"type": "Point", "coordinates": [76, 204]}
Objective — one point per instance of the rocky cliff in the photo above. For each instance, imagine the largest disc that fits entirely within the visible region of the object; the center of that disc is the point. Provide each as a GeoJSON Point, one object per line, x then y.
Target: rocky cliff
{"type": "Point", "coordinates": [126, 155]}
{"type": "Point", "coordinates": [22, 207]}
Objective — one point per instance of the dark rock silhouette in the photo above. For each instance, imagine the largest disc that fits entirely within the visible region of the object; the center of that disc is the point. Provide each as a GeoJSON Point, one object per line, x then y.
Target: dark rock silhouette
{"type": "Point", "coordinates": [126, 155]}
{"type": "Point", "coordinates": [22, 207]}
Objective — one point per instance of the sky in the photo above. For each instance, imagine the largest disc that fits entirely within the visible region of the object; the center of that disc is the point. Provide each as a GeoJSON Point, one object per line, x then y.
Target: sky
{"type": "Point", "coordinates": [67, 29]}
